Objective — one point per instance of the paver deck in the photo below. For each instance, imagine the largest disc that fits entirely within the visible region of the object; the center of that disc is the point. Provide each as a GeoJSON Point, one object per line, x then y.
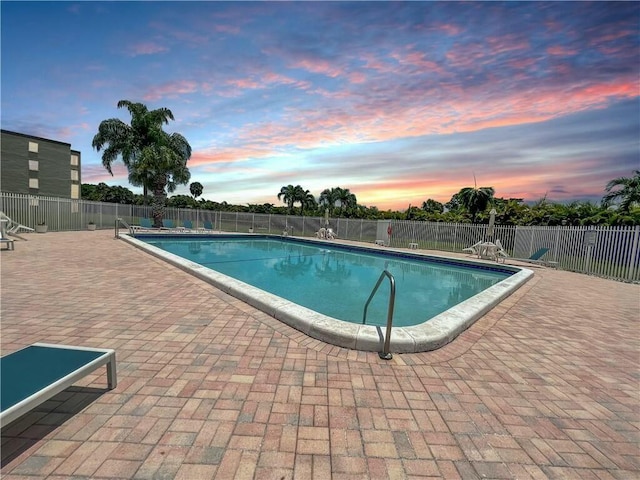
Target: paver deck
{"type": "Point", "coordinates": [546, 385]}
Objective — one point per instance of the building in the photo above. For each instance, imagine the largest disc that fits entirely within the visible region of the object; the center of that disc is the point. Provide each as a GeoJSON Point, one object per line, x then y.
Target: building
{"type": "Point", "coordinates": [38, 166]}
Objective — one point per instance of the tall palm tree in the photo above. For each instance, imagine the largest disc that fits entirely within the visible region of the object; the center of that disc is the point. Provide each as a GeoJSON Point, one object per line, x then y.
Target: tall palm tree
{"type": "Point", "coordinates": [626, 190]}
{"type": "Point", "coordinates": [475, 199]}
{"type": "Point", "coordinates": [346, 199]}
{"type": "Point", "coordinates": [328, 198]}
{"type": "Point", "coordinates": [137, 144]}
{"type": "Point", "coordinates": [166, 165]}
{"type": "Point", "coordinates": [289, 195]}
{"type": "Point", "coordinates": [196, 189]}
{"type": "Point", "coordinates": [307, 200]}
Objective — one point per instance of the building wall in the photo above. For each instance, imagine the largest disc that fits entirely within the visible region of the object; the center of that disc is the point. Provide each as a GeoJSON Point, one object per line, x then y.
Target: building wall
{"type": "Point", "coordinates": [38, 166]}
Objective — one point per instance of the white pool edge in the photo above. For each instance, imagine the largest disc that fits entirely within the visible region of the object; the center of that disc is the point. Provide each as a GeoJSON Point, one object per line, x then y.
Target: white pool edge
{"type": "Point", "coordinates": [430, 335]}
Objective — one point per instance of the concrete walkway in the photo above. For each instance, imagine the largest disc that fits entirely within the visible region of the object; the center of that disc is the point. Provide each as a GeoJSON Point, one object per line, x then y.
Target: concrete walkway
{"type": "Point", "coordinates": [547, 385]}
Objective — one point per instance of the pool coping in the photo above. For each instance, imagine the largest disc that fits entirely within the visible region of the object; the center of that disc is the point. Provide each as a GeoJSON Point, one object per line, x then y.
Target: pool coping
{"type": "Point", "coordinates": [430, 335]}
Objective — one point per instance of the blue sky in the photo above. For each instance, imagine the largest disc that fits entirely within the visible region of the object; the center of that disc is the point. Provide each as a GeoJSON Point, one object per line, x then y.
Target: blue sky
{"type": "Point", "coordinates": [399, 102]}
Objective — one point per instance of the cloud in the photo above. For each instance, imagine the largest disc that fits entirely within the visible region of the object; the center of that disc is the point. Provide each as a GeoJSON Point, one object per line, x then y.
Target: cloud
{"type": "Point", "coordinates": [401, 100]}
{"type": "Point", "coordinates": [171, 90]}
{"type": "Point", "coordinates": [145, 48]}
{"type": "Point", "coordinates": [97, 173]}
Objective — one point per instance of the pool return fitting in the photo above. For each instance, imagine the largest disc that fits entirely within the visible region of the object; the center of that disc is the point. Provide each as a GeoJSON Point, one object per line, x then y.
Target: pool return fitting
{"type": "Point", "coordinates": [385, 354]}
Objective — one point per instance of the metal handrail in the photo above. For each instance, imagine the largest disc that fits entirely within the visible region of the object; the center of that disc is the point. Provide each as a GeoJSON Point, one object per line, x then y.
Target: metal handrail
{"type": "Point", "coordinates": [385, 354]}
{"type": "Point", "coordinates": [117, 229]}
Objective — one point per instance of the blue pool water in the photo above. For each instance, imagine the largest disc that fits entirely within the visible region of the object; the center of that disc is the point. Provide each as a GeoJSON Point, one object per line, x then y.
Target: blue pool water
{"type": "Point", "coordinates": [337, 280]}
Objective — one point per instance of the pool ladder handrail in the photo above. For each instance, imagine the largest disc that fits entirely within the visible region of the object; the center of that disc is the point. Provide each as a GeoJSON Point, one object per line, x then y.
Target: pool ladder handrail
{"type": "Point", "coordinates": [385, 354]}
{"type": "Point", "coordinates": [126, 225]}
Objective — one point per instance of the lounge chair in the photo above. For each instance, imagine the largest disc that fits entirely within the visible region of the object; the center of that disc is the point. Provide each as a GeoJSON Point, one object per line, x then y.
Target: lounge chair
{"type": "Point", "coordinates": [188, 225]}
{"type": "Point", "coordinates": [208, 226]}
{"type": "Point", "coordinates": [144, 224]}
{"type": "Point", "coordinates": [473, 249]}
{"type": "Point", "coordinates": [168, 224]}
{"type": "Point", "coordinates": [11, 227]}
{"type": "Point", "coordinates": [322, 233]}
{"type": "Point", "coordinates": [536, 258]}
{"type": "Point", "coordinates": [8, 242]}
{"type": "Point", "coordinates": [3, 236]}
{"type": "Point", "coordinates": [500, 252]}
{"type": "Point", "coordinates": [33, 375]}
{"type": "Point", "coordinates": [330, 234]}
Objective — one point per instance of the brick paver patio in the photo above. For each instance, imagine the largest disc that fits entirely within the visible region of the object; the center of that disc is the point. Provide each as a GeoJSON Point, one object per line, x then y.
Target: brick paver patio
{"type": "Point", "coordinates": [547, 385]}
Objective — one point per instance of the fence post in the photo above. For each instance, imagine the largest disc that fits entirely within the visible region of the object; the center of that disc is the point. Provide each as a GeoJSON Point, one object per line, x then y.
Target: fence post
{"type": "Point", "coordinates": [634, 253]}
{"type": "Point", "coordinates": [555, 249]}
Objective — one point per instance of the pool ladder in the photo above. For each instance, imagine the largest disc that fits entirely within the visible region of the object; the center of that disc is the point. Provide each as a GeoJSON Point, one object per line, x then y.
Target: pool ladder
{"type": "Point", "coordinates": [117, 227]}
{"type": "Point", "coordinates": [385, 354]}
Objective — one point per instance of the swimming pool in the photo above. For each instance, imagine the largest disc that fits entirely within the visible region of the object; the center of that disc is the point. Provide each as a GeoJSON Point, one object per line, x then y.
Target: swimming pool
{"type": "Point", "coordinates": [321, 287]}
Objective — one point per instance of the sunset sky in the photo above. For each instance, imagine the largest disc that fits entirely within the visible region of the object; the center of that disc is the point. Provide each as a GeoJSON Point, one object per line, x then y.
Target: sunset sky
{"type": "Point", "coordinates": [399, 102]}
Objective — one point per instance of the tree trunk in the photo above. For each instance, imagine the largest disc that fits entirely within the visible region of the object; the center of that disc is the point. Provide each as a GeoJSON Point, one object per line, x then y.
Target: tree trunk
{"type": "Point", "coordinates": [158, 203]}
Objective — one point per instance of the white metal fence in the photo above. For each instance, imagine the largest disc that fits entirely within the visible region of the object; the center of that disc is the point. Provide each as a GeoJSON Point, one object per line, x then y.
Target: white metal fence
{"type": "Point", "coordinates": [612, 252]}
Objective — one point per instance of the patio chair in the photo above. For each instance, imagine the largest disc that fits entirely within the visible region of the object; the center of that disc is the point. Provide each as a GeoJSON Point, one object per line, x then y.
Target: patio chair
{"type": "Point", "coordinates": [33, 375]}
{"type": "Point", "coordinates": [11, 227]}
{"type": "Point", "coordinates": [208, 226]}
{"type": "Point", "coordinates": [330, 234]}
{"type": "Point", "coordinates": [144, 224]}
{"type": "Point", "coordinates": [8, 242]}
{"type": "Point", "coordinates": [500, 252]}
{"type": "Point", "coordinates": [168, 224]}
{"type": "Point", "coordinates": [473, 249]}
{"type": "Point", "coordinates": [322, 233]}
{"type": "Point", "coordinates": [188, 225]}
{"type": "Point", "coordinates": [536, 258]}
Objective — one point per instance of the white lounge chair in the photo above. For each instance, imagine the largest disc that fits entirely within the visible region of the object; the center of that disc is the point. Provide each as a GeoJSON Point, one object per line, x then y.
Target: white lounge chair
{"type": "Point", "coordinates": [8, 242]}
{"type": "Point", "coordinates": [473, 249]}
{"type": "Point", "coordinates": [501, 253]}
{"type": "Point", "coordinates": [11, 227]}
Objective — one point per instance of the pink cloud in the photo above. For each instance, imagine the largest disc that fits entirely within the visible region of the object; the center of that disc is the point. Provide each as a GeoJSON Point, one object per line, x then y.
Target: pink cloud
{"type": "Point", "coordinates": [266, 80]}
{"type": "Point", "coordinates": [506, 43]}
{"type": "Point", "coordinates": [448, 29]}
{"type": "Point", "coordinates": [416, 59]}
{"type": "Point", "coordinates": [145, 48]}
{"type": "Point", "coordinates": [243, 83]}
{"type": "Point", "coordinates": [559, 50]}
{"type": "Point", "coordinates": [97, 173]}
{"type": "Point", "coordinates": [462, 111]}
{"type": "Point", "coordinates": [375, 63]}
{"type": "Point", "coordinates": [521, 181]}
{"type": "Point", "coordinates": [318, 66]}
{"type": "Point", "coordinates": [170, 90]}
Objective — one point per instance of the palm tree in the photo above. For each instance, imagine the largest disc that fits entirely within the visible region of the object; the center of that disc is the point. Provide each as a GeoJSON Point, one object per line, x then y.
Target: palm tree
{"type": "Point", "coordinates": [346, 199]}
{"type": "Point", "coordinates": [432, 206]}
{"type": "Point", "coordinates": [144, 138]}
{"type": "Point", "coordinates": [307, 200]}
{"type": "Point", "coordinates": [196, 189]}
{"type": "Point", "coordinates": [475, 199]}
{"type": "Point", "coordinates": [626, 190]}
{"type": "Point", "coordinates": [166, 165]}
{"type": "Point", "coordinates": [329, 198]}
{"type": "Point", "coordinates": [289, 195]}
